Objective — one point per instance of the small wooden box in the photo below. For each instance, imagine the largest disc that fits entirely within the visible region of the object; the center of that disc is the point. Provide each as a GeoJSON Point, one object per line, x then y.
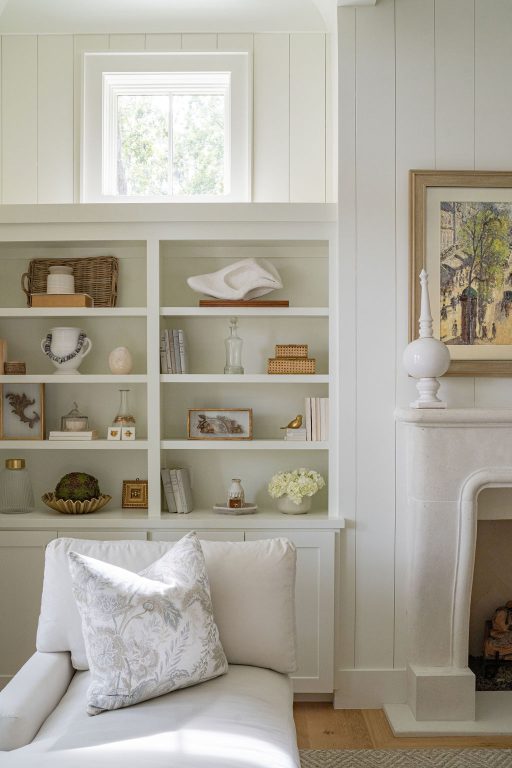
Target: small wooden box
{"type": "Point", "coordinates": [61, 300]}
{"type": "Point", "coordinates": [292, 365]}
{"type": "Point", "coordinates": [291, 350]}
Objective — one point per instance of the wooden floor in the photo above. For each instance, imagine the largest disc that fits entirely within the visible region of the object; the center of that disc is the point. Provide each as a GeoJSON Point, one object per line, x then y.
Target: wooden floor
{"type": "Point", "coordinates": [319, 726]}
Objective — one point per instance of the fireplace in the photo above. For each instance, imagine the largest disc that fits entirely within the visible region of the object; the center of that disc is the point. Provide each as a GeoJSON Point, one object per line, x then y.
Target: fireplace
{"type": "Point", "coordinates": [452, 456]}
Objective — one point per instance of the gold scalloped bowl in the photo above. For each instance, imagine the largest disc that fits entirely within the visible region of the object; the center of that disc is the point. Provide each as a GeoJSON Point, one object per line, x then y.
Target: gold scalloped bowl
{"type": "Point", "coordinates": [70, 507]}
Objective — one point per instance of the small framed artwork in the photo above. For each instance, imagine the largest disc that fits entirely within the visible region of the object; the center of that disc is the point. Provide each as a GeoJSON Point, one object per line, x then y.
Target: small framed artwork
{"type": "Point", "coordinates": [219, 424]}
{"type": "Point", "coordinates": [22, 412]}
{"type": "Point", "coordinates": [135, 494]}
{"type": "Point", "coordinates": [460, 233]}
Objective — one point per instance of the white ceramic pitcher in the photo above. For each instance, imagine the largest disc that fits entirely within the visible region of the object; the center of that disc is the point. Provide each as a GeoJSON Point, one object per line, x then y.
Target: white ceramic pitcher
{"type": "Point", "coordinates": [66, 348]}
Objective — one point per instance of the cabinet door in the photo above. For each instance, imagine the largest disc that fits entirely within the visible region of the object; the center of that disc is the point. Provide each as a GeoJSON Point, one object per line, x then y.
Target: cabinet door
{"type": "Point", "coordinates": [163, 535]}
{"type": "Point", "coordinates": [21, 577]}
{"type": "Point", "coordinates": [314, 605]}
{"type": "Point", "coordinates": [105, 535]}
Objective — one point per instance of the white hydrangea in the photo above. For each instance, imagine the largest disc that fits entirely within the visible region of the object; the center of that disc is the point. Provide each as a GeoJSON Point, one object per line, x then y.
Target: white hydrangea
{"type": "Point", "coordinates": [296, 484]}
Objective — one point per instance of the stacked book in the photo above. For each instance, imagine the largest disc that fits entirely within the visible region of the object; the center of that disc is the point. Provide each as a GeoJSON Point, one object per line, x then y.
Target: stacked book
{"type": "Point", "coordinates": [317, 418]}
{"type": "Point", "coordinates": [178, 490]}
{"type": "Point", "coordinates": [91, 434]}
{"type": "Point", "coordinates": [296, 434]}
{"type": "Point", "coordinates": [173, 352]}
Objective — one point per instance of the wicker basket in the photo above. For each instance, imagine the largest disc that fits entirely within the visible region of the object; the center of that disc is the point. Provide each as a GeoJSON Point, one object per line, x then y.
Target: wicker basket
{"type": "Point", "coordinates": [292, 365]}
{"type": "Point", "coordinates": [95, 275]}
{"type": "Point", "coordinates": [291, 350]}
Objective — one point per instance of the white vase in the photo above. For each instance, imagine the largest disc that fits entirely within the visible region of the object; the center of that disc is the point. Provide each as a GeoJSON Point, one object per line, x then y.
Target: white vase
{"type": "Point", "coordinates": [64, 344]}
{"type": "Point", "coordinates": [60, 280]}
{"type": "Point", "coordinates": [120, 361]}
{"type": "Point", "coordinates": [288, 507]}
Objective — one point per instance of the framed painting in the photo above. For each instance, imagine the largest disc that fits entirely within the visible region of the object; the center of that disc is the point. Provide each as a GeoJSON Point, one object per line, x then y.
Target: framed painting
{"type": "Point", "coordinates": [461, 233]}
{"type": "Point", "coordinates": [22, 412]}
{"type": "Point", "coordinates": [135, 494]}
{"type": "Point", "coordinates": [219, 424]}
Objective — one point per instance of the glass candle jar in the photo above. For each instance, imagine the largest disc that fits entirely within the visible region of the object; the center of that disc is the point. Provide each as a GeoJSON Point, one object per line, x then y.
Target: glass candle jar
{"type": "Point", "coordinates": [236, 494]}
{"type": "Point", "coordinates": [16, 496]}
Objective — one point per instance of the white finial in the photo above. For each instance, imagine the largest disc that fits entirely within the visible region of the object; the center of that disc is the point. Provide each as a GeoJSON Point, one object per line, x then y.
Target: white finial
{"type": "Point", "coordinates": [426, 331]}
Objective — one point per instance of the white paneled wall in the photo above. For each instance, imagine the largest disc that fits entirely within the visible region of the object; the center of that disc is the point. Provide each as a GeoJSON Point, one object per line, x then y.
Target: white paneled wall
{"type": "Point", "coordinates": [423, 84]}
{"type": "Point", "coordinates": [41, 79]}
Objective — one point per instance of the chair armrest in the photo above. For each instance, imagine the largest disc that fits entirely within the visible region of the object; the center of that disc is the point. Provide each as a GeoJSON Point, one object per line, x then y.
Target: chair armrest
{"type": "Point", "coordinates": [31, 695]}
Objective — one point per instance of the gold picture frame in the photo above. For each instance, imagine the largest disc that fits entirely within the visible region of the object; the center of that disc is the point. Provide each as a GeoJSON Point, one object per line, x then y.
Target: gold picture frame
{"type": "Point", "coordinates": [216, 424]}
{"type": "Point", "coordinates": [470, 322]}
{"type": "Point", "coordinates": [22, 411]}
{"type": "Point", "coordinates": [135, 494]}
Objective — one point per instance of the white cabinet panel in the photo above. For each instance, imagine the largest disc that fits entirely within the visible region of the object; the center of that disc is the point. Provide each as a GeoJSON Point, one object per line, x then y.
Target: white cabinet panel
{"type": "Point", "coordinates": [207, 535]}
{"type": "Point", "coordinates": [104, 535]}
{"type": "Point", "coordinates": [21, 576]}
{"type": "Point", "coordinates": [314, 602]}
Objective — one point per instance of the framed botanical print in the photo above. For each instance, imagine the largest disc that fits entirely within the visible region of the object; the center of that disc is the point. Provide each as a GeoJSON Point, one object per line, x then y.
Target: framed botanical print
{"type": "Point", "coordinates": [219, 424]}
{"type": "Point", "coordinates": [22, 412]}
{"type": "Point", "coordinates": [461, 233]}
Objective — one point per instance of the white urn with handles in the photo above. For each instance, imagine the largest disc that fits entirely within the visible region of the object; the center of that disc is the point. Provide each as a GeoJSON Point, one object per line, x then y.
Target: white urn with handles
{"type": "Point", "coordinates": [66, 348]}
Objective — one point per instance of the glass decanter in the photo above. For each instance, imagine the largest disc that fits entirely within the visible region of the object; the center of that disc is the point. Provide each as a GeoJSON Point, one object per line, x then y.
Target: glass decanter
{"type": "Point", "coordinates": [124, 418]}
{"type": "Point", "coordinates": [16, 496]}
{"type": "Point", "coordinates": [234, 346]}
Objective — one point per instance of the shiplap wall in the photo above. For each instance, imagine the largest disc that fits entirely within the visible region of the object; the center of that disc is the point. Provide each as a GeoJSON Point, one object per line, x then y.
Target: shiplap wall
{"type": "Point", "coordinates": [292, 111]}
{"type": "Point", "coordinates": [423, 84]}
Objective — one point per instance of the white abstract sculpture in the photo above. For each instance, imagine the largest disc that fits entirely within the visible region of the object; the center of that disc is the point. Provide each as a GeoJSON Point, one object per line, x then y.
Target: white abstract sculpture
{"type": "Point", "coordinates": [243, 280]}
{"type": "Point", "coordinates": [426, 358]}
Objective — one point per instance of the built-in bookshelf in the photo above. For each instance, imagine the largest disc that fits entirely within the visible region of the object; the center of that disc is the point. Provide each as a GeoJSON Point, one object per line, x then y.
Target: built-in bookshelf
{"type": "Point", "coordinates": [155, 260]}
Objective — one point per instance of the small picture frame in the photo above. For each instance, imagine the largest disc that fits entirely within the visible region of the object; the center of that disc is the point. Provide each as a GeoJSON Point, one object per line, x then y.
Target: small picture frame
{"type": "Point", "coordinates": [22, 412]}
{"type": "Point", "coordinates": [135, 494]}
{"type": "Point", "coordinates": [114, 433]}
{"type": "Point", "coordinates": [219, 424]}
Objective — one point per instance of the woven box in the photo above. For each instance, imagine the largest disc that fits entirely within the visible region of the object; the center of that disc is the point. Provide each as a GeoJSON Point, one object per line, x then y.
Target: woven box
{"type": "Point", "coordinates": [291, 350]}
{"type": "Point", "coordinates": [291, 365]}
{"type": "Point", "coordinates": [94, 275]}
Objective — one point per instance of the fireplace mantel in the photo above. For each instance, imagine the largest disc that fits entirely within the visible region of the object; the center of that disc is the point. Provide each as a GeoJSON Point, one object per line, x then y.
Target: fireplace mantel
{"type": "Point", "coordinates": [452, 455]}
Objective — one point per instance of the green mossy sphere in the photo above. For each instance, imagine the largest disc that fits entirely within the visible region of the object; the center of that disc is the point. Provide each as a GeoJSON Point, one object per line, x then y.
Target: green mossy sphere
{"type": "Point", "coordinates": [77, 486]}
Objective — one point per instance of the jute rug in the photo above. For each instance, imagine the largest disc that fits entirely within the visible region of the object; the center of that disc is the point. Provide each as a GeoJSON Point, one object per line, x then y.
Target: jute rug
{"type": "Point", "coordinates": [406, 758]}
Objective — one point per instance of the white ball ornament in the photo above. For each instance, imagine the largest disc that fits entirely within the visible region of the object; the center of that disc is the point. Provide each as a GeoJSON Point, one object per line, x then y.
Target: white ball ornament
{"type": "Point", "coordinates": [120, 361]}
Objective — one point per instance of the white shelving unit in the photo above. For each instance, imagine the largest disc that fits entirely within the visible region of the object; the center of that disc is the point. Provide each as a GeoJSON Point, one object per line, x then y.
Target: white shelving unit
{"type": "Point", "coordinates": [155, 258]}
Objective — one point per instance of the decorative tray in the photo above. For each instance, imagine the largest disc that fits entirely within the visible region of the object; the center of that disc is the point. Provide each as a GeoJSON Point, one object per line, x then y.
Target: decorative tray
{"type": "Point", "coordinates": [75, 507]}
{"type": "Point", "coordinates": [247, 509]}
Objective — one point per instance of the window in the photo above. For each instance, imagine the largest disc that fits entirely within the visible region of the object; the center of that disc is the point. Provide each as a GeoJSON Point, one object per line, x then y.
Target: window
{"type": "Point", "coordinates": [165, 127]}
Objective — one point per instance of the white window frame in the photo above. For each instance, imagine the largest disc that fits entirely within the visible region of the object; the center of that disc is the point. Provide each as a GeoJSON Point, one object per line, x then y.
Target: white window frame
{"type": "Point", "coordinates": [105, 77]}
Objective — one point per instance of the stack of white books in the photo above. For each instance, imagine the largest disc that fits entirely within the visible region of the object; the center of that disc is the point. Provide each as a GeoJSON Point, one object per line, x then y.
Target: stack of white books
{"type": "Point", "coordinates": [173, 352]}
{"type": "Point", "coordinates": [178, 490]}
{"type": "Point", "coordinates": [296, 434]}
{"type": "Point", "coordinates": [317, 418]}
{"type": "Point", "coordinates": [91, 434]}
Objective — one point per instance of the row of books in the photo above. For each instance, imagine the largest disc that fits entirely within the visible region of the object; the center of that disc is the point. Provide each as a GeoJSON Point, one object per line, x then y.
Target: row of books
{"type": "Point", "coordinates": [315, 425]}
{"type": "Point", "coordinates": [173, 352]}
{"type": "Point", "coordinates": [178, 490]}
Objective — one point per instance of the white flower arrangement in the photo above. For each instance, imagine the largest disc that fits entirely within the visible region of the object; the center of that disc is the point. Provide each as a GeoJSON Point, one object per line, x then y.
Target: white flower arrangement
{"type": "Point", "coordinates": [296, 484]}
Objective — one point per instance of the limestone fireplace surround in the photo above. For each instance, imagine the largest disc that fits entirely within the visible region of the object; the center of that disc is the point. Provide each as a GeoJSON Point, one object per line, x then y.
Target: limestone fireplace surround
{"type": "Point", "coordinates": [452, 455]}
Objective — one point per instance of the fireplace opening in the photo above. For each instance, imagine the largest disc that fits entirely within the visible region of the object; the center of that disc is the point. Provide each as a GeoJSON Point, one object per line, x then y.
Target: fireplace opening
{"type": "Point", "coordinates": [490, 639]}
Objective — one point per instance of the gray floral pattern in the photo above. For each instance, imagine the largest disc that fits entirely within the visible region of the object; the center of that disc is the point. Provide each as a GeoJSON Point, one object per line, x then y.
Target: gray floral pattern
{"type": "Point", "coordinates": [150, 633]}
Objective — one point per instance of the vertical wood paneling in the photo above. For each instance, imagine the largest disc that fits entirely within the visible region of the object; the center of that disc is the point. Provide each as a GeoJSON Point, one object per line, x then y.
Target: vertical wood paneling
{"type": "Point", "coordinates": [199, 42]}
{"type": "Point", "coordinates": [163, 42]}
{"type": "Point", "coordinates": [271, 131]}
{"type": "Point", "coordinates": [19, 119]}
{"type": "Point", "coordinates": [331, 120]}
{"type": "Point", "coordinates": [55, 119]}
{"type": "Point", "coordinates": [307, 118]}
{"type": "Point", "coordinates": [376, 291]}
{"type": "Point", "coordinates": [415, 148]}
{"type": "Point", "coordinates": [82, 44]}
{"type": "Point", "coordinates": [233, 42]}
{"type": "Point", "coordinates": [348, 380]}
{"type": "Point", "coordinates": [127, 42]}
{"type": "Point", "coordinates": [493, 112]}
{"type": "Point", "coordinates": [455, 59]}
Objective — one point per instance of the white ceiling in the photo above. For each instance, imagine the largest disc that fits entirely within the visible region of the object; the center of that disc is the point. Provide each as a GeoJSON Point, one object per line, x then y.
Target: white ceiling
{"type": "Point", "coordinates": [89, 16]}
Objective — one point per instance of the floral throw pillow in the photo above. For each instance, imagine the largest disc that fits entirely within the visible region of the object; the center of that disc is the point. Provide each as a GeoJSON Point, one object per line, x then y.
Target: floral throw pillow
{"type": "Point", "coordinates": [150, 633]}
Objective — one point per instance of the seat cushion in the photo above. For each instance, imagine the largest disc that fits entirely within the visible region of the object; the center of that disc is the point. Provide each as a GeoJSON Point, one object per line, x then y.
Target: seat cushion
{"type": "Point", "coordinates": [252, 585]}
{"type": "Point", "coordinates": [241, 720]}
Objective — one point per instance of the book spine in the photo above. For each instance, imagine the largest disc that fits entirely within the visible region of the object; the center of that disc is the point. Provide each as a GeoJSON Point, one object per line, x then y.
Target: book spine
{"type": "Point", "coordinates": [176, 343]}
{"type": "Point", "coordinates": [323, 402]}
{"type": "Point", "coordinates": [176, 490]}
{"type": "Point", "coordinates": [185, 489]}
{"type": "Point", "coordinates": [326, 418]}
{"type": "Point", "coordinates": [163, 353]}
{"type": "Point", "coordinates": [308, 418]}
{"type": "Point", "coordinates": [183, 352]}
{"type": "Point", "coordinates": [316, 419]}
{"type": "Point", "coordinates": [169, 349]}
{"type": "Point", "coordinates": [169, 495]}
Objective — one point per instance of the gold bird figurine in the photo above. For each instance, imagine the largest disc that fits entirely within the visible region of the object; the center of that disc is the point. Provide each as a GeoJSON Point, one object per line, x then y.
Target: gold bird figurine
{"type": "Point", "coordinates": [295, 423]}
